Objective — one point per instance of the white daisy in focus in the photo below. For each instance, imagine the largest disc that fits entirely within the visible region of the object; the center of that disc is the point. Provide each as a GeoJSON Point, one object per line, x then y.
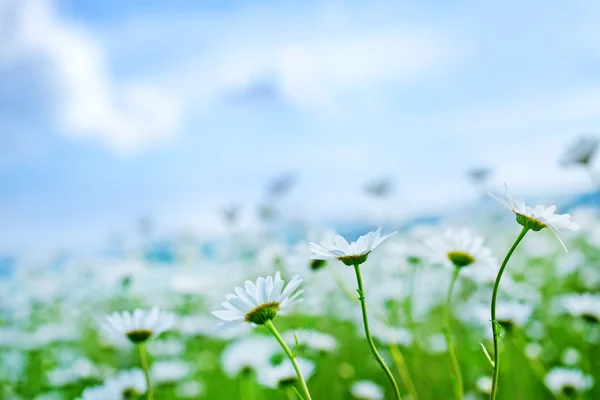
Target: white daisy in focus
{"type": "Point", "coordinates": [585, 306]}
{"type": "Point", "coordinates": [535, 218]}
{"type": "Point", "coordinates": [284, 375]}
{"type": "Point", "coordinates": [581, 152]}
{"type": "Point", "coordinates": [140, 325]}
{"type": "Point", "coordinates": [354, 253]}
{"type": "Point", "coordinates": [568, 381]}
{"type": "Point", "coordinates": [258, 303]}
{"type": "Point", "coordinates": [461, 248]}
{"type": "Point", "coordinates": [366, 390]}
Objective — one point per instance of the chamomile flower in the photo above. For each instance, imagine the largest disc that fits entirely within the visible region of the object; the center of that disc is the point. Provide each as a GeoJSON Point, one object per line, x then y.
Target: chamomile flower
{"type": "Point", "coordinates": [131, 384]}
{"type": "Point", "coordinates": [538, 217]}
{"type": "Point", "coordinates": [585, 306]}
{"type": "Point", "coordinates": [353, 253]}
{"type": "Point", "coordinates": [284, 375]}
{"type": "Point", "coordinates": [568, 381]}
{"type": "Point", "coordinates": [140, 325]}
{"type": "Point", "coordinates": [102, 392]}
{"type": "Point", "coordinates": [314, 340]}
{"type": "Point", "coordinates": [248, 355]}
{"type": "Point", "coordinates": [367, 390]}
{"type": "Point", "coordinates": [460, 248]}
{"type": "Point", "coordinates": [258, 303]}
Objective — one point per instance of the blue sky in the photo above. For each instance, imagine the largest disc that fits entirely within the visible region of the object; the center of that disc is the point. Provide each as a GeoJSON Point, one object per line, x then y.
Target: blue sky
{"type": "Point", "coordinates": [114, 110]}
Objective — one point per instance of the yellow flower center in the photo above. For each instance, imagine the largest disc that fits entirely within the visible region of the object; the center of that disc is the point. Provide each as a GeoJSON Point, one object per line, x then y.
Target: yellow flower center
{"type": "Point", "coordinates": [262, 313]}
{"type": "Point", "coordinates": [460, 258]}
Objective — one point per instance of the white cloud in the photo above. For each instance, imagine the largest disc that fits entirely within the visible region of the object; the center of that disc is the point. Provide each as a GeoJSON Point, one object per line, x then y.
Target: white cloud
{"type": "Point", "coordinates": [89, 103]}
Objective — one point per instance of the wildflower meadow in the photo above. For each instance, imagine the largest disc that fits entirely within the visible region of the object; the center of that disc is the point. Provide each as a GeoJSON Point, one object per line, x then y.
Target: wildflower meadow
{"type": "Point", "coordinates": [502, 306]}
{"type": "Point", "coordinates": [299, 200]}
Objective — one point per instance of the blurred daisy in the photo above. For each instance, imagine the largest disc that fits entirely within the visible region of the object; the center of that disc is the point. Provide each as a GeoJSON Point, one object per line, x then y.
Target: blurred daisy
{"type": "Point", "coordinates": [311, 339]}
{"type": "Point", "coordinates": [258, 303]}
{"type": "Point", "coordinates": [533, 350]}
{"type": "Point", "coordinates": [484, 384]}
{"type": "Point", "coordinates": [538, 217]}
{"type": "Point", "coordinates": [353, 253]}
{"type": "Point", "coordinates": [571, 356]}
{"type": "Point", "coordinates": [568, 381]}
{"type": "Point", "coordinates": [366, 390]}
{"type": "Point", "coordinates": [190, 390]}
{"type": "Point", "coordinates": [131, 384]}
{"type": "Point", "coordinates": [585, 306]}
{"type": "Point", "coordinates": [284, 375]}
{"type": "Point", "coordinates": [512, 314]}
{"type": "Point", "coordinates": [102, 392]}
{"type": "Point", "coordinates": [140, 325]}
{"type": "Point", "coordinates": [170, 370]}
{"type": "Point", "coordinates": [460, 248]}
{"type": "Point", "coordinates": [581, 152]}
{"type": "Point", "coordinates": [248, 355]}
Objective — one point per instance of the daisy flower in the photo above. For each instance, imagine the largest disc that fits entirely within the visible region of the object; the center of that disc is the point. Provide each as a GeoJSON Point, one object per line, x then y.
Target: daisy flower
{"type": "Point", "coordinates": [102, 392]}
{"type": "Point", "coordinates": [250, 354]}
{"type": "Point", "coordinates": [140, 325]}
{"type": "Point", "coordinates": [354, 253]}
{"type": "Point", "coordinates": [585, 306]}
{"type": "Point", "coordinates": [258, 303]}
{"type": "Point", "coordinates": [568, 381]}
{"type": "Point", "coordinates": [314, 340]}
{"type": "Point", "coordinates": [538, 217]}
{"type": "Point", "coordinates": [284, 375]}
{"type": "Point", "coordinates": [366, 390]}
{"type": "Point", "coordinates": [460, 248]}
{"type": "Point", "coordinates": [131, 384]}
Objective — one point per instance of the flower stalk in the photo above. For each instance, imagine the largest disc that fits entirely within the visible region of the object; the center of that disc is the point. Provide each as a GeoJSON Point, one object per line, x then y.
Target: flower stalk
{"type": "Point", "coordinates": [376, 355]}
{"type": "Point", "coordinates": [458, 381]}
{"type": "Point", "coordinates": [144, 362]}
{"type": "Point", "coordinates": [495, 327]}
{"type": "Point", "coordinates": [292, 356]}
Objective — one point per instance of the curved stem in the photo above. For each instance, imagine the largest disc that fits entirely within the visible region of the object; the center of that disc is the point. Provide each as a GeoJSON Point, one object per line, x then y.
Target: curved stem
{"type": "Point", "coordinates": [458, 384]}
{"type": "Point", "coordinates": [144, 362]}
{"type": "Point", "coordinates": [363, 304]}
{"type": "Point", "coordinates": [291, 356]}
{"type": "Point", "coordinates": [495, 331]}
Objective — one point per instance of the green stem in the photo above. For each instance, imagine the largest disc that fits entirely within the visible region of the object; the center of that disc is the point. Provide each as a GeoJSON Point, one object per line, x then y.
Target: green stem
{"type": "Point", "coordinates": [394, 349]}
{"type": "Point", "coordinates": [144, 362]}
{"type": "Point", "coordinates": [363, 304]}
{"type": "Point", "coordinates": [247, 385]}
{"type": "Point", "coordinates": [291, 356]}
{"type": "Point", "coordinates": [458, 384]}
{"type": "Point", "coordinates": [495, 331]}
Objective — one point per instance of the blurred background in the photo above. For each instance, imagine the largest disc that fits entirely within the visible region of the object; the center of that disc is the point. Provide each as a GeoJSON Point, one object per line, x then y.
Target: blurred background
{"type": "Point", "coordinates": [158, 153]}
{"type": "Point", "coordinates": [112, 112]}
